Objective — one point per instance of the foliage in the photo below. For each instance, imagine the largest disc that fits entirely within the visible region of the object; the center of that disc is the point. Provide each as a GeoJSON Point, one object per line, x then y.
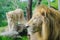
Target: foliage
{"type": "Point", "coordinates": [55, 4]}
{"type": "Point", "coordinates": [3, 23]}
{"type": "Point", "coordinates": [45, 2]}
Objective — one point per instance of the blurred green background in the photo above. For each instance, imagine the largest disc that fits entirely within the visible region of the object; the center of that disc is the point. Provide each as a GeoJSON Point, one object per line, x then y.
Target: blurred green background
{"type": "Point", "coordinates": [8, 5]}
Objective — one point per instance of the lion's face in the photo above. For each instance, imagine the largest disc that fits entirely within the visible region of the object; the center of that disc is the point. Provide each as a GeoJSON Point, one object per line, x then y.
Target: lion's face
{"type": "Point", "coordinates": [35, 24]}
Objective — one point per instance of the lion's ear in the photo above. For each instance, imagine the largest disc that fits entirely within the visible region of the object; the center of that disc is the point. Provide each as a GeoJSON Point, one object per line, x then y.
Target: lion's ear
{"type": "Point", "coordinates": [43, 14]}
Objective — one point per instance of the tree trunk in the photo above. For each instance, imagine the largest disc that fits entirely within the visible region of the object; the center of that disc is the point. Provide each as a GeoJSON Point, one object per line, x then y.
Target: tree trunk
{"type": "Point", "coordinates": [29, 9]}
{"type": "Point", "coordinates": [59, 5]}
{"type": "Point", "coordinates": [48, 3]}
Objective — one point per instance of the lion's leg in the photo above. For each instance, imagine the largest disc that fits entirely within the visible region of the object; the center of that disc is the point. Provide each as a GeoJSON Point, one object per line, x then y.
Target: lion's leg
{"type": "Point", "coordinates": [11, 21]}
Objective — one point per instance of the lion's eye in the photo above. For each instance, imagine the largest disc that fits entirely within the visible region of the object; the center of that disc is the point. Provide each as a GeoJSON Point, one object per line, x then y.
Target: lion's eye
{"type": "Point", "coordinates": [33, 23]}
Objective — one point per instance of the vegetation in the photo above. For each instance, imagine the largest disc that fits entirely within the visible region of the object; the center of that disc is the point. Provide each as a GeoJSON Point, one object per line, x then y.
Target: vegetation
{"type": "Point", "coordinates": [10, 38]}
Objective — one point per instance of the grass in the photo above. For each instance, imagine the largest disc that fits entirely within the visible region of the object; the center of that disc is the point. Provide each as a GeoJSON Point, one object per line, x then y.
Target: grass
{"type": "Point", "coordinates": [5, 38]}
{"type": "Point", "coordinates": [11, 38]}
{"type": "Point", "coordinates": [2, 28]}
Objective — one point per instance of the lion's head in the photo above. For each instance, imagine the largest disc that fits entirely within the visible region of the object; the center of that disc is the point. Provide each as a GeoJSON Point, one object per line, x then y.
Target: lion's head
{"type": "Point", "coordinates": [39, 16]}
{"type": "Point", "coordinates": [45, 22]}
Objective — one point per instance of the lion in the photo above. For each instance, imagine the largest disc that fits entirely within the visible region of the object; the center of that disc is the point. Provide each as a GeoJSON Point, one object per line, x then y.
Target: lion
{"type": "Point", "coordinates": [16, 23]}
{"type": "Point", "coordinates": [44, 24]}
{"type": "Point", "coordinates": [15, 17]}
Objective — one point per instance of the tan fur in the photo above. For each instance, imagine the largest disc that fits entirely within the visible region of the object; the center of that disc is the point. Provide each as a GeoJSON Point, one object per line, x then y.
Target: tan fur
{"type": "Point", "coordinates": [44, 24]}
{"type": "Point", "coordinates": [15, 17]}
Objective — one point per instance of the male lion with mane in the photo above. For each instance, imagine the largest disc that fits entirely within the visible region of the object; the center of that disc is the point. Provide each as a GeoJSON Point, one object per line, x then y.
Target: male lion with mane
{"type": "Point", "coordinates": [44, 24]}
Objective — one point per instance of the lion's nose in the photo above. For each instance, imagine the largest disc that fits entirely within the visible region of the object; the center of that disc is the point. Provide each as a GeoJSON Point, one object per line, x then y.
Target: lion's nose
{"type": "Point", "coordinates": [27, 26]}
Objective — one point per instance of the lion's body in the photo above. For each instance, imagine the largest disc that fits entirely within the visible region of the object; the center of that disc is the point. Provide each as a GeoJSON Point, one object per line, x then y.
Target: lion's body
{"type": "Point", "coordinates": [44, 24]}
